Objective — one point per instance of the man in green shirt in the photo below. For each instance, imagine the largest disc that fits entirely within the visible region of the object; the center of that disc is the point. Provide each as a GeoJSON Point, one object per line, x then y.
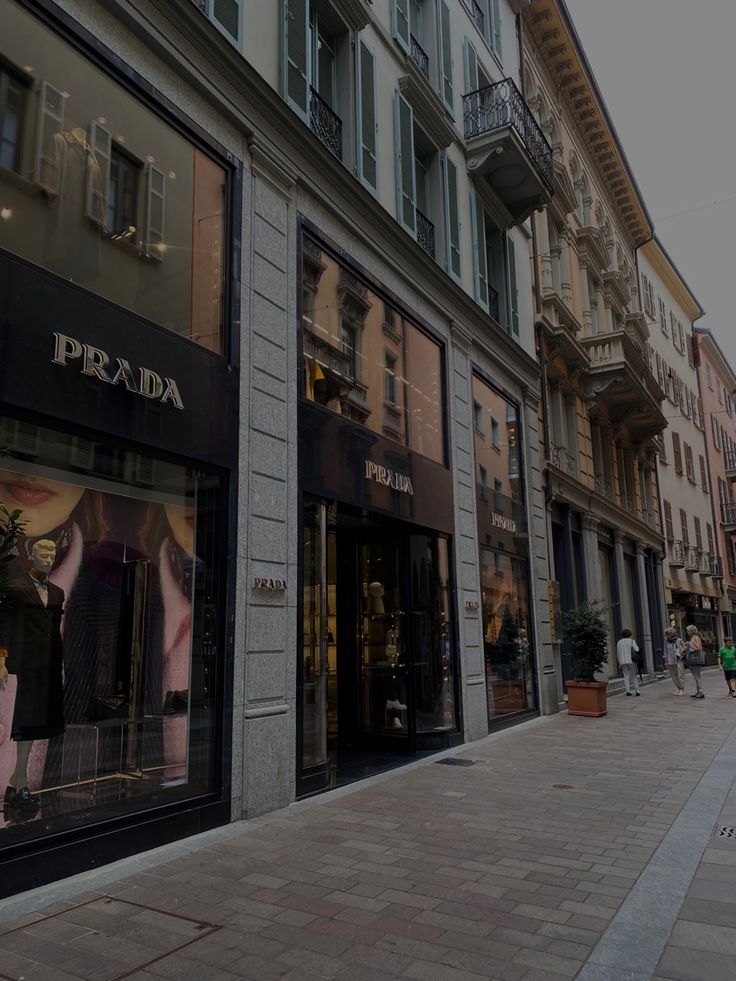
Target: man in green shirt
{"type": "Point", "coordinates": [727, 661]}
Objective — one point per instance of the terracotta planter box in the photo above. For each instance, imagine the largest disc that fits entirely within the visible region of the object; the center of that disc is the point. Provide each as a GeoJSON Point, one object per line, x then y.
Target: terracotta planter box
{"type": "Point", "coordinates": [587, 698]}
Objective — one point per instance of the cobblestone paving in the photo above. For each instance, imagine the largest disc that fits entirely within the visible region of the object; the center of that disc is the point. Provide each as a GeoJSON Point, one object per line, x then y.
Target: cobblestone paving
{"type": "Point", "coordinates": [511, 869]}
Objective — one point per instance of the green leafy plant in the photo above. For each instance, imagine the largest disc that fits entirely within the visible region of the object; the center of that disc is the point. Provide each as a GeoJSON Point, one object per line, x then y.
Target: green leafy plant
{"type": "Point", "coordinates": [586, 633]}
{"type": "Point", "coordinates": [11, 529]}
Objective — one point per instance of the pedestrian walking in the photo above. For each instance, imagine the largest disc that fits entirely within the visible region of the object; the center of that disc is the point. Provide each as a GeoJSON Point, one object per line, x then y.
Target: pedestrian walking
{"type": "Point", "coordinates": [674, 655]}
{"type": "Point", "coordinates": [727, 661]}
{"type": "Point", "coordinates": [695, 658]}
{"type": "Point", "coordinates": [625, 648]}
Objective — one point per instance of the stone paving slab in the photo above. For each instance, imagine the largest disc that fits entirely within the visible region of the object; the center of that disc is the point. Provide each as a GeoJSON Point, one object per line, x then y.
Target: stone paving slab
{"type": "Point", "coordinates": [513, 869]}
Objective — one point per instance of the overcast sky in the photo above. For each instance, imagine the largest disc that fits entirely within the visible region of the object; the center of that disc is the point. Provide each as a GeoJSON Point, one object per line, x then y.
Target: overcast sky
{"type": "Point", "coordinates": [668, 74]}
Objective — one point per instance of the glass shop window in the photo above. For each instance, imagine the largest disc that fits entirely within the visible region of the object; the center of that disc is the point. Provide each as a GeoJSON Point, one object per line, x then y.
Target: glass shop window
{"type": "Point", "coordinates": [98, 189]}
{"type": "Point", "coordinates": [366, 361]}
{"type": "Point", "coordinates": [108, 631]}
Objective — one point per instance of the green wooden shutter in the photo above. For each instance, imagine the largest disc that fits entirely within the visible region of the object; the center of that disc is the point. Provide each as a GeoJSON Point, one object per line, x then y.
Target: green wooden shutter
{"type": "Point", "coordinates": [295, 54]}
{"type": "Point", "coordinates": [98, 175]}
{"type": "Point", "coordinates": [512, 290]}
{"type": "Point", "coordinates": [480, 261]}
{"type": "Point", "coordinates": [452, 219]}
{"type": "Point", "coordinates": [366, 122]}
{"type": "Point", "coordinates": [447, 91]}
{"type": "Point", "coordinates": [470, 64]}
{"type": "Point", "coordinates": [227, 15]}
{"type": "Point", "coordinates": [400, 22]}
{"type": "Point", "coordinates": [405, 176]}
{"type": "Point", "coordinates": [496, 28]}
{"type": "Point", "coordinates": [47, 165]}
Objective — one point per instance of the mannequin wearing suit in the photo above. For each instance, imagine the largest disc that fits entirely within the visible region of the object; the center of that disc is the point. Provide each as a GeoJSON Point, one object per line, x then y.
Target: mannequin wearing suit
{"type": "Point", "coordinates": [31, 634]}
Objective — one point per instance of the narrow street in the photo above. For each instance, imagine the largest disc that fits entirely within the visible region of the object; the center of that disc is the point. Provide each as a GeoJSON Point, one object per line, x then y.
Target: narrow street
{"type": "Point", "coordinates": [569, 848]}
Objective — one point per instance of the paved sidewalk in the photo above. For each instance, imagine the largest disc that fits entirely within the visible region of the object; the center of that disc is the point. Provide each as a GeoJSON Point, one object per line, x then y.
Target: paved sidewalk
{"type": "Point", "coordinates": [534, 864]}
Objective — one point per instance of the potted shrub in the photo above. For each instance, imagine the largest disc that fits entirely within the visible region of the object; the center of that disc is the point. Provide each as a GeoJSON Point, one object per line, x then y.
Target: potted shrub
{"type": "Point", "coordinates": [586, 633]}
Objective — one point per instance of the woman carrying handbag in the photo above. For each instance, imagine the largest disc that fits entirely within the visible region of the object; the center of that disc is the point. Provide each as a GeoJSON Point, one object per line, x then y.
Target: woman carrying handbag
{"type": "Point", "coordinates": [695, 658]}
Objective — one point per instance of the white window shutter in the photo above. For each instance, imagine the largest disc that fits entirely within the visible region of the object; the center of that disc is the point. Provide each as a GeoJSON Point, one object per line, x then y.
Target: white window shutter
{"type": "Point", "coordinates": [98, 174]}
{"type": "Point", "coordinates": [512, 290]}
{"type": "Point", "coordinates": [452, 220]}
{"type": "Point", "coordinates": [155, 207]}
{"type": "Point", "coordinates": [400, 22]}
{"type": "Point", "coordinates": [480, 260]}
{"type": "Point", "coordinates": [228, 16]}
{"type": "Point", "coordinates": [447, 90]}
{"type": "Point", "coordinates": [47, 168]}
{"type": "Point", "coordinates": [496, 28]}
{"type": "Point", "coordinates": [295, 55]}
{"type": "Point", "coordinates": [405, 176]}
{"type": "Point", "coordinates": [366, 126]}
{"type": "Point", "coordinates": [470, 64]}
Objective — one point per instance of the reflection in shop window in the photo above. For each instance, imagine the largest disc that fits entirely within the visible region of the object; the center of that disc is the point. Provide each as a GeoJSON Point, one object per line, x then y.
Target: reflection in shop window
{"type": "Point", "coordinates": [365, 360]}
{"type": "Point", "coordinates": [99, 190]}
{"type": "Point", "coordinates": [108, 625]}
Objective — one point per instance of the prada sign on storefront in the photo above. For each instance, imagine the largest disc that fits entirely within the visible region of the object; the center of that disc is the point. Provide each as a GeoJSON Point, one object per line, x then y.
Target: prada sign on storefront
{"type": "Point", "coordinates": [96, 363]}
{"type": "Point", "coordinates": [389, 478]}
{"type": "Point", "coordinates": [502, 522]}
{"type": "Point", "coordinates": [70, 355]}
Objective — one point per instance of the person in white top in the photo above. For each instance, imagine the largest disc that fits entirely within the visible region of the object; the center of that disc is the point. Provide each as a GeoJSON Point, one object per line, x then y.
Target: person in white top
{"type": "Point", "coordinates": [624, 649]}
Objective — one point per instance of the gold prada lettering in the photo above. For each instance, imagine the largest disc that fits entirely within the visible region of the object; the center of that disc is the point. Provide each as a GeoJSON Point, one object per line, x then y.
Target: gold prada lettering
{"type": "Point", "coordinates": [95, 363]}
{"type": "Point", "coordinates": [389, 478]}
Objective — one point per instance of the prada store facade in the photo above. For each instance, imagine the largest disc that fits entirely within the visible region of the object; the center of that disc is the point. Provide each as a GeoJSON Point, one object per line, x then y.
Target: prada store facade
{"type": "Point", "coordinates": [118, 407]}
{"type": "Point", "coordinates": [377, 665]}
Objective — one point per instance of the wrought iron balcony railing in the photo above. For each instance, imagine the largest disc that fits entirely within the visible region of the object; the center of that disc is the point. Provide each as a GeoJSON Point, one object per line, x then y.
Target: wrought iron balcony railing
{"type": "Point", "coordinates": [730, 459]}
{"type": "Point", "coordinates": [716, 567]}
{"type": "Point", "coordinates": [705, 569]}
{"type": "Point", "coordinates": [564, 461]}
{"type": "Point", "coordinates": [502, 104]}
{"type": "Point", "coordinates": [692, 559]}
{"type": "Point", "coordinates": [425, 233]}
{"type": "Point", "coordinates": [677, 554]}
{"type": "Point", "coordinates": [476, 12]}
{"type": "Point", "coordinates": [325, 123]}
{"type": "Point", "coordinates": [330, 358]}
{"type": "Point", "coordinates": [419, 56]}
{"type": "Point", "coordinates": [728, 513]}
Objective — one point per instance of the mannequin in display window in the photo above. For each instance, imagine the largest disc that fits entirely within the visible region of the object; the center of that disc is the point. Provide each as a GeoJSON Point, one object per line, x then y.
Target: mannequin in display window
{"type": "Point", "coordinates": [31, 636]}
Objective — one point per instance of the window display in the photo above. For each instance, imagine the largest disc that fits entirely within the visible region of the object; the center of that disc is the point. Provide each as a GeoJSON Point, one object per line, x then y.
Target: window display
{"type": "Point", "coordinates": [504, 554]}
{"type": "Point", "coordinates": [107, 631]}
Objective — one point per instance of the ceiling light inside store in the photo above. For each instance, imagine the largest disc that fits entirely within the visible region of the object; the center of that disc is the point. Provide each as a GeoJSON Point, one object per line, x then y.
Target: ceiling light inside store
{"type": "Point", "coordinates": [28, 68]}
{"type": "Point", "coordinates": [6, 214]}
{"type": "Point", "coordinates": [102, 120]}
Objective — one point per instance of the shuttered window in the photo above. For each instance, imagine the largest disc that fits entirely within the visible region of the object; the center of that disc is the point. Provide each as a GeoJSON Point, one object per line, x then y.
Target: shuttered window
{"type": "Point", "coordinates": [470, 67]}
{"type": "Point", "coordinates": [366, 123]}
{"type": "Point", "coordinates": [98, 176]}
{"type": "Point", "coordinates": [495, 28]}
{"type": "Point", "coordinates": [400, 22]}
{"type": "Point", "coordinates": [155, 203]}
{"type": "Point", "coordinates": [446, 86]}
{"type": "Point", "coordinates": [47, 168]}
{"type": "Point", "coordinates": [512, 290]}
{"type": "Point", "coordinates": [227, 15]}
{"type": "Point", "coordinates": [405, 172]}
{"type": "Point", "coordinates": [668, 526]}
{"type": "Point", "coordinates": [296, 48]}
{"type": "Point", "coordinates": [683, 525]}
{"type": "Point", "coordinates": [711, 546]}
{"type": "Point", "coordinates": [689, 463]}
{"type": "Point", "coordinates": [480, 258]}
{"type": "Point", "coordinates": [703, 474]}
{"type": "Point", "coordinates": [677, 453]}
{"type": "Point", "coordinates": [698, 533]}
{"type": "Point", "coordinates": [452, 219]}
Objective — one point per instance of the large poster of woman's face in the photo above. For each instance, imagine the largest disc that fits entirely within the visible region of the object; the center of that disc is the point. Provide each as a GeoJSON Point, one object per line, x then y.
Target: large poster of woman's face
{"type": "Point", "coordinates": [95, 645]}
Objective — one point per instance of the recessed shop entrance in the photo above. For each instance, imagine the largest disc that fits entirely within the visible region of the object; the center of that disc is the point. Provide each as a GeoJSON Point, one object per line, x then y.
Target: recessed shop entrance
{"type": "Point", "coordinates": [376, 667]}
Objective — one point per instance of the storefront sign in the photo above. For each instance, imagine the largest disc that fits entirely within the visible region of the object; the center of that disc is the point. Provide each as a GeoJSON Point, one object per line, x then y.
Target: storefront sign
{"type": "Point", "coordinates": [472, 605]}
{"type": "Point", "coordinates": [389, 478]}
{"type": "Point", "coordinates": [96, 363]}
{"type": "Point", "coordinates": [501, 521]}
{"type": "Point", "coordinates": [270, 584]}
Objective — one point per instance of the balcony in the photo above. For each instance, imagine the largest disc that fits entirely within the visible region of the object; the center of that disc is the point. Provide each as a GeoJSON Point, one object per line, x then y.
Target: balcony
{"type": "Point", "coordinates": [564, 461]}
{"type": "Point", "coordinates": [728, 516]}
{"type": "Point", "coordinates": [325, 123]}
{"type": "Point", "coordinates": [335, 365]}
{"type": "Point", "coordinates": [425, 233]}
{"type": "Point", "coordinates": [506, 147]}
{"type": "Point", "coordinates": [677, 555]}
{"type": "Point", "coordinates": [705, 563]}
{"type": "Point", "coordinates": [716, 567]}
{"type": "Point", "coordinates": [419, 56]}
{"type": "Point", "coordinates": [620, 379]}
{"type": "Point", "coordinates": [604, 487]}
{"type": "Point", "coordinates": [692, 559]}
{"type": "Point", "coordinates": [730, 461]}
